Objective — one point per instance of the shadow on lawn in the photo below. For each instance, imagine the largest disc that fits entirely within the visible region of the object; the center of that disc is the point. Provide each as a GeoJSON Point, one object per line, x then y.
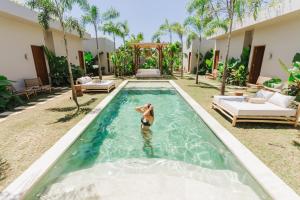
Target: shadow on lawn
{"type": "Point", "coordinates": [204, 85]}
{"type": "Point", "coordinates": [70, 116]}
{"type": "Point", "coordinates": [71, 108]}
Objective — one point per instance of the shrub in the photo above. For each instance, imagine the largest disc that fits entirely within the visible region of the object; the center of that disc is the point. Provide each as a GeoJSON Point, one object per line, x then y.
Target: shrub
{"type": "Point", "coordinates": [7, 99]}
{"type": "Point", "coordinates": [206, 64]}
{"type": "Point", "coordinates": [59, 69]}
{"type": "Point", "coordinates": [272, 83]}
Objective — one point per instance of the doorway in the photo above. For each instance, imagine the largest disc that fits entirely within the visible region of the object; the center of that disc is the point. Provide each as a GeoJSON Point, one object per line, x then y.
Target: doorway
{"type": "Point", "coordinates": [257, 59]}
{"type": "Point", "coordinates": [81, 59]}
{"type": "Point", "coordinates": [40, 63]}
{"type": "Point", "coordinates": [216, 59]}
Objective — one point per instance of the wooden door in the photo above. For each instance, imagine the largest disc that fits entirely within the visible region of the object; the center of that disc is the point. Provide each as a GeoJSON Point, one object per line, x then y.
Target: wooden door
{"type": "Point", "coordinates": [108, 62]}
{"type": "Point", "coordinates": [216, 59]}
{"type": "Point", "coordinates": [40, 63]}
{"type": "Point", "coordinates": [189, 61]}
{"type": "Point", "coordinates": [257, 59]}
{"type": "Point", "coordinates": [81, 59]}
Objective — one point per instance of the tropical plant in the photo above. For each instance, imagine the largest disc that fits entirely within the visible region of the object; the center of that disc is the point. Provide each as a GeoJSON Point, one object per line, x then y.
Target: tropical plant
{"type": "Point", "coordinates": [156, 37]}
{"type": "Point", "coordinates": [294, 77]}
{"type": "Point", "coordinates": [198, 25]}
{"type": "Point", "coordinates": [7, 99]}
{"type": "Point", "coordinates": [59, 9]}
{"type": "Point", "coordinates": [172, 58]}
{"type": "Point", "coordinates": [207, 62]}
{"type": "Point", "coordinates": [58, 66]}
{"type": "Point", "coordinates": [180, 31]}
{"type": "Point", "coordinates": [273, 82]}
{"type": "Point", "coordinates": [89, 62]}
{"type": "Point", "coordinates": [226, 11]}
{"type": "Point", "coordinates": [94, 17]}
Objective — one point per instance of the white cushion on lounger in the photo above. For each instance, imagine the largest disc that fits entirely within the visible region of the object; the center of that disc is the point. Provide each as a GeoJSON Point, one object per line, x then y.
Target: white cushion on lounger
{"type": "Point", "coordinates": [218, 98]}
{"type": "Point", "coordinates": [281, 100]}
{"type": "Point", "coordinates": [84, 79]}
{"type": "Point", "coordinates": [264, 94]}
{"type": "Point", "coordinates": [251, 109]}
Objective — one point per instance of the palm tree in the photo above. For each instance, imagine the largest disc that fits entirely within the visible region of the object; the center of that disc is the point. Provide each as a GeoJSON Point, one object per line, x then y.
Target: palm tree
{"type": "Point", "coordinates": [58, 9]}
{"type": "Point", "coordinates": [156, 36]}
{"type": "Point", "coordinates": [226, 11]}
{"type": "Point", "coordinates": [113, 29]}
{"type": "Point", "coordinates": [124, 30]}
{"type": "Point", "coordinates": [93, 16]}
{"type": "Point", "coordinates": [180, 31]}
{"type": "Point", "coordinates": [166, 28]}
{"type": "Point", "coordinates": [197, 24]}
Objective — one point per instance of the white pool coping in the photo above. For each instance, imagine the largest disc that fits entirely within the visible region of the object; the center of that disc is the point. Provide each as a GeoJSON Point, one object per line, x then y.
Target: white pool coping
{"type": "Point", "coordinates": [270, 182]}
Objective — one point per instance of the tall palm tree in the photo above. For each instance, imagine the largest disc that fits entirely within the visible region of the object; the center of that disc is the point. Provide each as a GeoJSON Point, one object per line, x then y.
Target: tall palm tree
{"type": "Point", "coordinates": [113, 29]}
{"type": "Point", "coordinates": [124, 30]}
{"type": "Point", "coordinates": [166, 28]}
{"type": "Point", "coordinates": [227, 11]}
{"type": "Point", "coordinates": [197, 24]}
{"type": "Point", "coordinates": [180, 31]}
{"type": "Point", "coordinates": [93, 16]}
{"type": "Point", "coordinates": [156, 36]}
{"type": "Point", "coordinates": [59, 9]}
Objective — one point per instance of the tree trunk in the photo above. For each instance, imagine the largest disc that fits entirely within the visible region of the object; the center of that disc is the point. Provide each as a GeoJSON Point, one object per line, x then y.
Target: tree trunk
{"type": "Point", "coordinates": [227, 54]}
{"type": "Point", "coordinates": [74, 95]}
{"type": "Point", "coordinates": [181, 71]}
{"type": "Point", "coordinates": [98, 56]}
{"type": "Point", "coordinates": [114, 37]}
{"type": "Point", "coordinates": [198, 60]}
{"type": "Point", "coordinates": [170, 37]}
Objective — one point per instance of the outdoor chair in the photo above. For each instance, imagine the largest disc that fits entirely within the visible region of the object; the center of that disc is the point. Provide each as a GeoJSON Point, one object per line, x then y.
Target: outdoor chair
{"type": "Point", "coordinates": [25, 92]}
{"type": "Point", "coordinates": [265, 107]}
{"type": "Point", "coordinates": [37, 85]}
{"type": "Point", "coordinates": [90, 85]}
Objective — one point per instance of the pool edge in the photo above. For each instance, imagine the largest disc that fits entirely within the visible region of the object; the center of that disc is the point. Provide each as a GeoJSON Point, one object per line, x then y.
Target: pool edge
{"type": "Point", "coordinates": [270, 182]}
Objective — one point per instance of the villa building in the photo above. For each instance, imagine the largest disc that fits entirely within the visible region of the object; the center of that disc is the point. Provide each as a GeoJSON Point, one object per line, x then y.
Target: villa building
{"type": "Point", "coordinates": [106, 47]}
{"type": "Point", "coordinates": [22, 38]}
{"type": "Point", "coordinates": [190, 58]}
{"type": "Point", "coordinates": [272, 36]}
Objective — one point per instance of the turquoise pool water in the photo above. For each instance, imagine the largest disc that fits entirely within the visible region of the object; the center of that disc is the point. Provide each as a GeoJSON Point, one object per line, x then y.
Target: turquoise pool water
{"type": "Point", "coordinates": [114, 145]}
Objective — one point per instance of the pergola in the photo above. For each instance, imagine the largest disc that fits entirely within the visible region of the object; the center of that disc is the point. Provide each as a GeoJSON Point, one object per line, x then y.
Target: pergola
{"type": "Point", "coordinates": [138, 46]}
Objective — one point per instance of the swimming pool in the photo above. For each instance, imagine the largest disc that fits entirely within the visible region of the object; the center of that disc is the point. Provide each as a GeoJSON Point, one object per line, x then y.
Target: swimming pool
{"type": "Point", "coordinates": [181, 158]}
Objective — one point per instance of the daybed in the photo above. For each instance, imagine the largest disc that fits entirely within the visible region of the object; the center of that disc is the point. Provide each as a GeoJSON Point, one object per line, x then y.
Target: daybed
{"type": "Point", "coordinates": [266, 107]}
{"type": "Point", "coordinates": [148, 73]}
{"type": "Point", "coordinates": [88, 84]}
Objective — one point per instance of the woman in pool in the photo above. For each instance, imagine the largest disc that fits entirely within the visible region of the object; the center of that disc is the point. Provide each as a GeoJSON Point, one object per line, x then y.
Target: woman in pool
{"type": "Point", "coordinates": [148, 115]}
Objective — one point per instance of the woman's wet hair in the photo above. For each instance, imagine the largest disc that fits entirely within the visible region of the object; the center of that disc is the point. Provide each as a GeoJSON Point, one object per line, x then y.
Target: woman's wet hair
{"type": "Point", "coordinates": [151, 111]}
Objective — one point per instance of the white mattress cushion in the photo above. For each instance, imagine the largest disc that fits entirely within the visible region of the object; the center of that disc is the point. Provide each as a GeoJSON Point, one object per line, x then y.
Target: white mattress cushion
{"type": "Point", "coordinates": [281, 100]}
{"type": "Point", "coordinates": [104, 84]}
{"type": "Point", "coordinates": [257, 100]}
{"type": "Point", "coordinates": [251, 109]}
{"type": "Point", "coordinates": [84, 79]}
{"type": "Point", "coordinates": [148, 73]}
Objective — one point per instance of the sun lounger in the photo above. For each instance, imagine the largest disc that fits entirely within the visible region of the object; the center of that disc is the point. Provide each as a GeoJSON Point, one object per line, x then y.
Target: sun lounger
{"type": "Point", "coordinates": [88, 84]}
{"type": "Point", "coordinates": [25, 92]}
{"type": "Point", "coordinates": [148, 73]}
{"type": "Point", "coordinates": [272, 110]}
{"type": "Point", "coordinates": [36, 85]}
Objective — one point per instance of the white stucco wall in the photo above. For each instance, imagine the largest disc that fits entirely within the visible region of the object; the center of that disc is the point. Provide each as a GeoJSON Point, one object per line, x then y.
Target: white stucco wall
{"type": "Point", "coordinates": [16, 38]}
{"type": "Point", "coordinates": [282, 42]}
{"type": "Point", "coordinates": [236, 46]}
{"type": "Point", "coordinates": [74, 45]}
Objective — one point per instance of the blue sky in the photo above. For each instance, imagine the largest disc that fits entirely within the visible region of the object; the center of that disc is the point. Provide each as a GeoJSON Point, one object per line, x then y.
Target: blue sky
{"type": "Point", "coordinates": [142, 15]}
